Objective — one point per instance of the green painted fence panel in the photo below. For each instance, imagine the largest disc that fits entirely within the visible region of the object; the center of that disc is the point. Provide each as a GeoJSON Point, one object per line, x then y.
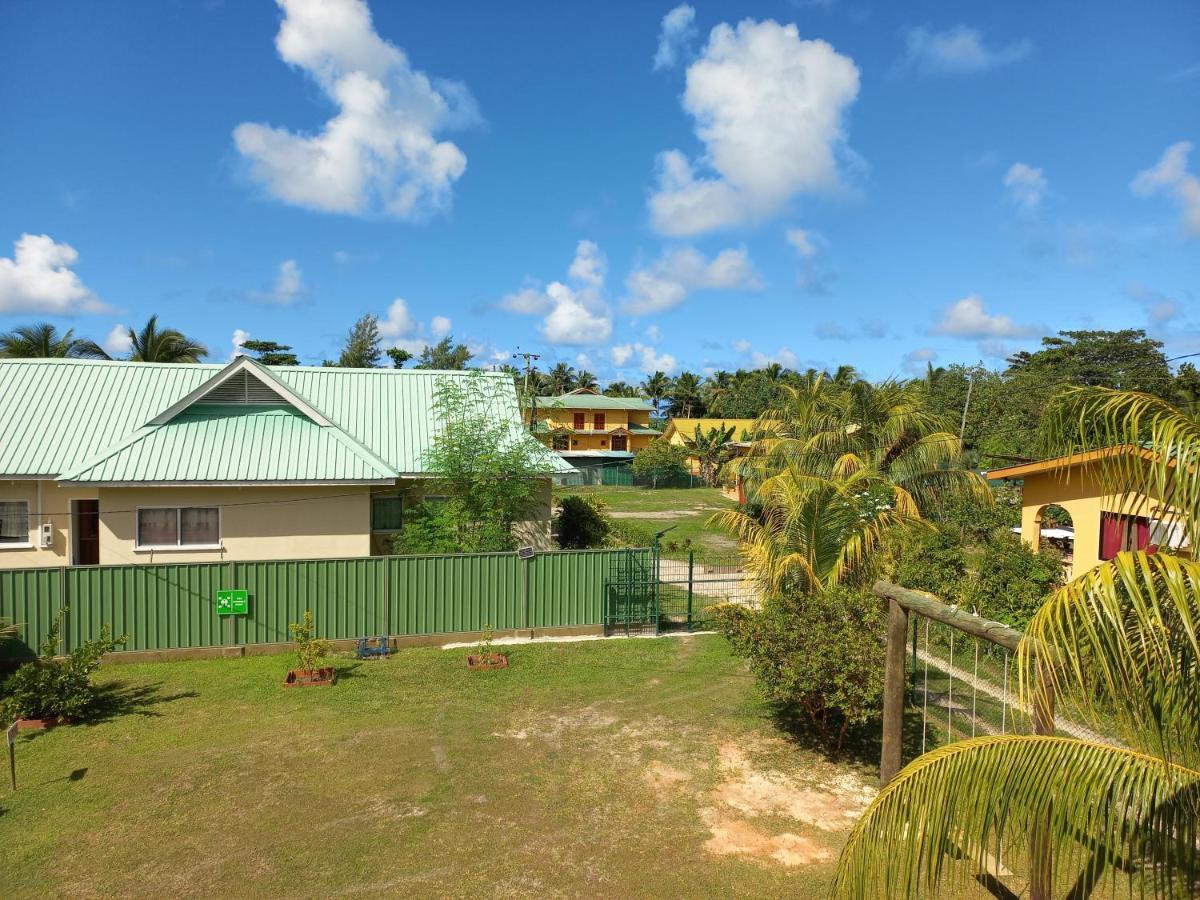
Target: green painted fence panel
{"type": "Point", "coordinates": [346, 597]}
{"type": "Point", "coordinates": [159, 607]}
{"type": "Point", "coordinates": [447, 594]}
{"type": "Point", "coordinates": [30, 599]}
{"type": "Point", "coordinates": [567, 588]}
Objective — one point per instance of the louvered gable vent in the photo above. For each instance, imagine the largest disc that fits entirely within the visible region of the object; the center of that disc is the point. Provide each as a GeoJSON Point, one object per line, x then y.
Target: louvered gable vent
{"type": "Point", "coordinates": [242, 390]}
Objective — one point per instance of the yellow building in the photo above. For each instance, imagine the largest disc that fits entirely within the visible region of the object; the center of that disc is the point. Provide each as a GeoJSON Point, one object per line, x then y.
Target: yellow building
{"type": "Point", "coordinates": [584, 425]}
{"type": "Point", "coordinates": [679, 430]}
{"type": "Point", "coordinates": [1102, 524]}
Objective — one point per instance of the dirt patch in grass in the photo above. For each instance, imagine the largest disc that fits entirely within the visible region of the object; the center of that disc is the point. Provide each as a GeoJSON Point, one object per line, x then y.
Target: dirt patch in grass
{"type": "Point", "coordinates": [665, 778]}
{"type": "Point", "coordinates": [658, 513]}
{"type": "Point", "coordinates": [737, 837]}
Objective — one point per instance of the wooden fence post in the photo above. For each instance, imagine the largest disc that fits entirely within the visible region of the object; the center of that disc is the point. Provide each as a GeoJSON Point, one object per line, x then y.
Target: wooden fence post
{"type": "Point", "coordinates": [893, 693]}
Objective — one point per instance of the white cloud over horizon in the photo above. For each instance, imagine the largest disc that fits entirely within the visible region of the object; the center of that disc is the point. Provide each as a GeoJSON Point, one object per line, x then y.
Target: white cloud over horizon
{"type": "Point", "coordinates": [768, 107]}
{"type": "Point", "coordinates": [379, 154]}
{"type": "Point", "coordinates": [643, 357]}
{"type": "Point", "coordinates": [958, 50]}
{"type": "Point", "coordinates": [668, 281]}
{"type": "Point", "coordinates": [575, 313]}
{"type": "Point", "coordinates": [1170, 176]}
{"type": "Point", "coordinates": [968, 318]}
{"type": "Point", "coordinates": [39, 278]}
{"type": "Point", "coordinates": [1026, 187]}
{"type": "Point", "coordinates": [118, 341]}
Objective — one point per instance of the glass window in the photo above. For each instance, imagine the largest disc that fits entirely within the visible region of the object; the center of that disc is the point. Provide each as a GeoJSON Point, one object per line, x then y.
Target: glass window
{"type": "Point", "coordinates": [199, 525]}
{"type": "Point", "coordinates": [561, 442]}
{"type": "Point", "coordinates": [578, 421]}
{"type": "Point", "coordinates": [387, 512]}
{"type": "Point", "coordinates": [598, 418]}
{"type": "Point", "coordinates": [178, 526]}
{"type": "Point", "coordinates": [14, 522]}
{"type": "Point", "coordinates": [157, 527]}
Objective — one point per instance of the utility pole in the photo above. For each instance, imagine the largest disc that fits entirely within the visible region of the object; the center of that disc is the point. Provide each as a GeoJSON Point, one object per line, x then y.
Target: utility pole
{"type": "Point", "coordinates": [962, 427]}
{"type": "Point", "coordinates": [529, 357]}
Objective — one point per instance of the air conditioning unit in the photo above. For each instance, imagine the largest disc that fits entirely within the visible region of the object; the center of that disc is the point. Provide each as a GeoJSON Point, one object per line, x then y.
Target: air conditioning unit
{"type": "Point", "coordinates": [47, 533]}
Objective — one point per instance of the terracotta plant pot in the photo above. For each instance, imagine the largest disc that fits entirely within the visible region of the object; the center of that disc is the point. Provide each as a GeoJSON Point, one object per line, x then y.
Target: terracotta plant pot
{"type": "Point", "coordinates": [41, 724]}
{"type": "Point", "coordinates": [310, 678]}
{"type": "Point", "coordinates": [487, 661]}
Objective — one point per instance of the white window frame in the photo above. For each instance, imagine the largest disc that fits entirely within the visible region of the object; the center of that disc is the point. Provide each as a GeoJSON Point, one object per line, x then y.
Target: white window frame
{"type": "Point", "coordinates": [19, 545]}
{"type": "Point", "coordinates": [177, 547]}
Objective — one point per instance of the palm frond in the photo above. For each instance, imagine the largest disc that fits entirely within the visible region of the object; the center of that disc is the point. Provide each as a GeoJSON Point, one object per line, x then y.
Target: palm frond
{"type": "Point", "coordinates": [1123, 644]}
{"type": "Point", "coordinates": [980, 800]}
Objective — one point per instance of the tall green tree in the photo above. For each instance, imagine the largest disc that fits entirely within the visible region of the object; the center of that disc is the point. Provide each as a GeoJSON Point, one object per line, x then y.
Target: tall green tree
{"type": "Point", "coordinates": [560, 379]}
{"type": "Point", "coordinates": [362, 348]}
{"type": "Point", "coordinates": [684, 398]}
{"type": "Point", "coordinates": [163, 345]}
{"type": "Point", "coordinates": [398, 356]}
{"type": "Point", "coordinates": [445, 354]}
{"type": "Point", "coordinates": [656, 387]}
{"type": "Point", "coordinates": [586, 379]}
{"type": "Point", "coordinates": [1126, 360]}
{"type": "Point", "coordinates": [42, 340]}
{"type": "Point", "coordinates": [269, 353]}
{"type": "Point", "coordinates": [620, 389]}
{"type": "Point", "coordinates": [709, 449]}
{"type": "Point", "coordinates": [1121, 645]}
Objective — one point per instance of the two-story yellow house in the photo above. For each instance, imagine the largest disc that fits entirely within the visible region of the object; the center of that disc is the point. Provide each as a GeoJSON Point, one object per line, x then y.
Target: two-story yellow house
{"type": "Point", "coordinates": [585, 424]}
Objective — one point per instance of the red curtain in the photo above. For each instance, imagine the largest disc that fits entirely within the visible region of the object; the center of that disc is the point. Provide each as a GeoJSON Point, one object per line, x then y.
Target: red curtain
{"type": "Point", "coordinates": [1143, 534]}
{"type": "Point", "coordinates": [1110, 535]}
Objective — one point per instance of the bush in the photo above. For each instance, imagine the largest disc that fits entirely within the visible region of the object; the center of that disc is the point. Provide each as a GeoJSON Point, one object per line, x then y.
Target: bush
{"type": "Point", "coordinates": [930, 560]}
{"type": "Point", "coordinates": [822, 654]}
{"type": "Point", "coordinates": [1011, 581]}
{"type": "Point", "coordinates": [434, 528]}
{"type": "Point", "coordinates": [661, 461]}
{"type": "Point", "coordinates": [630, 533]}
{"type": "Point", "coordinates": [582, 523]}
{"type": "Point", "coordinates": [310, 649]}
{"type": "Point", "coordinates": [50, 688]}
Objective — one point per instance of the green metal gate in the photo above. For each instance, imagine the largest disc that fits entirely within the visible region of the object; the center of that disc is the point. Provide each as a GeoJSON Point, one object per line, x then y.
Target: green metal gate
{"type": "Point", "coordinates": [630, 593]}
{"type": "Point", "coordinates": [650, 593]}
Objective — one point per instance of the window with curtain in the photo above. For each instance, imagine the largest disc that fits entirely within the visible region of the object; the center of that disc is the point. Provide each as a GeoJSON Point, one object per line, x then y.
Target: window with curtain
{"type": "Point", "coordinates": [1119, 533]}
{"type": "Point", "coordinates": [173, 526]}
{"type": "Point", "coordinates": [387, 512]}
{"type": "Point", "coordinates": [14, 522]}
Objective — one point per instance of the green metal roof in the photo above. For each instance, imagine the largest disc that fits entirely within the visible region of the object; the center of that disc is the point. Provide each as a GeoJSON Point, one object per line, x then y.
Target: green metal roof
{"type": "Point", "coordinates": [84, 417]}
{"type": "Point", "coordinates": [595, 401]}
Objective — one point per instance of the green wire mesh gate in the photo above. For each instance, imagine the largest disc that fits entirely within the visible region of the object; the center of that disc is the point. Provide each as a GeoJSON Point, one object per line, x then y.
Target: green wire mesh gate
{"type": "Point", "coordinates": [649, 593]}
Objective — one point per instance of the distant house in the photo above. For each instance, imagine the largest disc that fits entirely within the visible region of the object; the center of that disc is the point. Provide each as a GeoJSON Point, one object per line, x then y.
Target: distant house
{"type": "Point", "coordinates": [680, 430]}
{"type": "Point", "coordinates": [590, 429]}
{"type": "Point", "coordinates": [122, 462]}
{"type": "Point", "coordinates": [1100, 524]}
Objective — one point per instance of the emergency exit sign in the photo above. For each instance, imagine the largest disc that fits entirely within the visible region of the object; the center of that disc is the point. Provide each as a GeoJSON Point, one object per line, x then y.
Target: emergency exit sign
{"type": "Point", "coordinates": [233, 603]}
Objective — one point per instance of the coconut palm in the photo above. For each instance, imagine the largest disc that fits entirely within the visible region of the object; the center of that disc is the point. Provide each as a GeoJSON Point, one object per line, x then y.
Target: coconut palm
{"type": "Point", "coordinates": [586, 379]}
{"type": "Point", "coordinates": [561, 378]}
{"type": "Point", "coordinates": [829, 454]}
{"type": "Point", "coordinates": [165, 345]}
{"type": "Point", "coordinates": [620, 389]}
{"type": "Point", "coordinates": [656, 387]}
{"type": "Point", "coordinates": [1121, 645]}
{"type": "Point", "coordinates": [42, 340]}
{"type": "Point", "coordinates": [709, 449]}
{"type": "Point", "coordinates": [684, 397]}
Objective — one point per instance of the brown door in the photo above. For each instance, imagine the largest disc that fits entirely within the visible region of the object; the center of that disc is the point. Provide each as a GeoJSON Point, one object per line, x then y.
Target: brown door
{"type": "Point", "coordinates": [619, 442]}
{"type": "Point", "coordinates": [87, 532]}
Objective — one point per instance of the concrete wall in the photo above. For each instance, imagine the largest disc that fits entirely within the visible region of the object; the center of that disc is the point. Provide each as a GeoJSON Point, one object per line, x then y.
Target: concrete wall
{"type": "Point", "coordinates": [55, 508]}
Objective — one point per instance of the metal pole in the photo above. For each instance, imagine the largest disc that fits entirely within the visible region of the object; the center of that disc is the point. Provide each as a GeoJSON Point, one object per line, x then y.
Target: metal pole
{"type": "Point", "coordinates": [893, 693]}
{"type": "Point", "coordinates": [691, 561]}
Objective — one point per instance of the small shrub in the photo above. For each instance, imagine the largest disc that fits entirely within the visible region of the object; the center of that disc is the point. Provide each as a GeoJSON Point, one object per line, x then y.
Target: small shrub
{"type": "Point", "coordinates": [630, 533]}
{"type": "Point", "coordinates": [50, 688]}
{"type": "Point", "coordinates": [930, 560]}
{"type": "Point", "coordinates": [486, 648]}
{"type": "Point", "coordinates": [582, 522]}
{"type": "Point", "coordinates": [821, 654]}
{"type": "Point", "coordinates": [310, 649]}
{"type": "Point", "coordinates": [1011, 581]}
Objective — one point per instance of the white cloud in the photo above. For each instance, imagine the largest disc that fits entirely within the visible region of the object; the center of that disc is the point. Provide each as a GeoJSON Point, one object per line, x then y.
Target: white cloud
{"type": "Point", "coordinates": [1160, 309]}
{"type": "Point", "coordinates": [783, 356]}
{"type": "Point", "coordinates": [803, 241]}
{"type": "Point", "coordinates": [645, 358]}
{"type": "Point", "coordinates": [1026, 187]}
{"type": "Point", "coordinates": [967, 318]}
{"type": "Point", "coordinates": [678, 29]}
{"type": "Point", "coordinates": [1171, 176]}
{"type": "Point", "coordinates": [440, 326]}
{"type": "Point", "coordinates": [38, 279]}
{"type": "Point", "coordinates": [378, 154]}
{"type": "Point", "coordinates": [768, 107]}
{"type": "Point", "coordinates": [653, 334]}
{"type": "Point", "coordinates": [118, 342]}
{"type": "Point", "coordinates": [958, 51]}
{"type": "Point", "coordinates": [575, 313]}
{"type": "Point", "coordinates": [667, 282]}
{"type": "Point", "coordinates": [813, 277]}
{"type": "Point", "coordinates": [742, 345]}
{"type": "Point", "coordinates": [915, 361]}
{"type": "Point", "coordinates": [402, 329]}
{"type": "Point", "coordinates": [240, 337]}
{"type": "Point", "coordinates": [583, 360]}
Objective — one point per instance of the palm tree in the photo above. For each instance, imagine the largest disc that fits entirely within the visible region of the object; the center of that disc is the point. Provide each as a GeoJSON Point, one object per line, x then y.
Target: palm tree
{"type": "Point", "coordinates": [684, 396]}
{"type": "Point", "coordinates": [586, 379]}
{"type": "Point", "coordinates": [561, 378]}
{"type": "Point", "coordinates": [620, 389]}
{"type": "Point", "coordinates": [1122, 645]}
{"type": "Point", "coordinates": [709, 450]}
{"type": "Point", "coordinates": [164, 346]}
{"type": "Point", "coordinates": [716, 388]}
{"type": "Point", "coordinates": [656, 387]}
{"type": "Point", "coordinates": [43, 341]}
{"type": "Point", "coordinates": [828, 457]}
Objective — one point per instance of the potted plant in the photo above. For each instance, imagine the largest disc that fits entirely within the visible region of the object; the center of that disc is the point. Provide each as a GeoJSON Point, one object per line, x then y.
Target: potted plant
{"type": "Point", "coordinates": [485, 655]}
{"type": "Point", "coordinates": [310, 650]}
{"type": "Point", "coordinates": [50, 691]}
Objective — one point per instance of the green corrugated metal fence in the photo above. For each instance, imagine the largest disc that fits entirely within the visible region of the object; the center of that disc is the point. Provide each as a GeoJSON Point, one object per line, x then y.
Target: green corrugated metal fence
{"type": "Point", "coordinates": [173, 606]}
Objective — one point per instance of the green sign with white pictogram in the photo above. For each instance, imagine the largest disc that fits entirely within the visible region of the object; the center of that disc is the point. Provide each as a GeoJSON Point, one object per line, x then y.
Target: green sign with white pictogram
{"type": "Point", "coordinates": [233, 603]}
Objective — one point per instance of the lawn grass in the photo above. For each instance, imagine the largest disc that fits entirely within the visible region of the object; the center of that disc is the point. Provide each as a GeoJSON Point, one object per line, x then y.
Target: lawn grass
{"type": "Point", "coordinates": [687, 509]}
{"type": "Point", "coordinates": [613, 768]}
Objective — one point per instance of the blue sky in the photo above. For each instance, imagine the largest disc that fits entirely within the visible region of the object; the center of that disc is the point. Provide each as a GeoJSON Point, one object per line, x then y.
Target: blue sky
{"type": "Point", "coordinates": [623, 186]}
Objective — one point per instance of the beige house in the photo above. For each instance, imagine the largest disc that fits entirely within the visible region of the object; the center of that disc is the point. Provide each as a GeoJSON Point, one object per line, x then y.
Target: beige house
{"type": "Point", "coordinates": [1101, 524]}
{"type": "Point", "coordinates": [121, 462]}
